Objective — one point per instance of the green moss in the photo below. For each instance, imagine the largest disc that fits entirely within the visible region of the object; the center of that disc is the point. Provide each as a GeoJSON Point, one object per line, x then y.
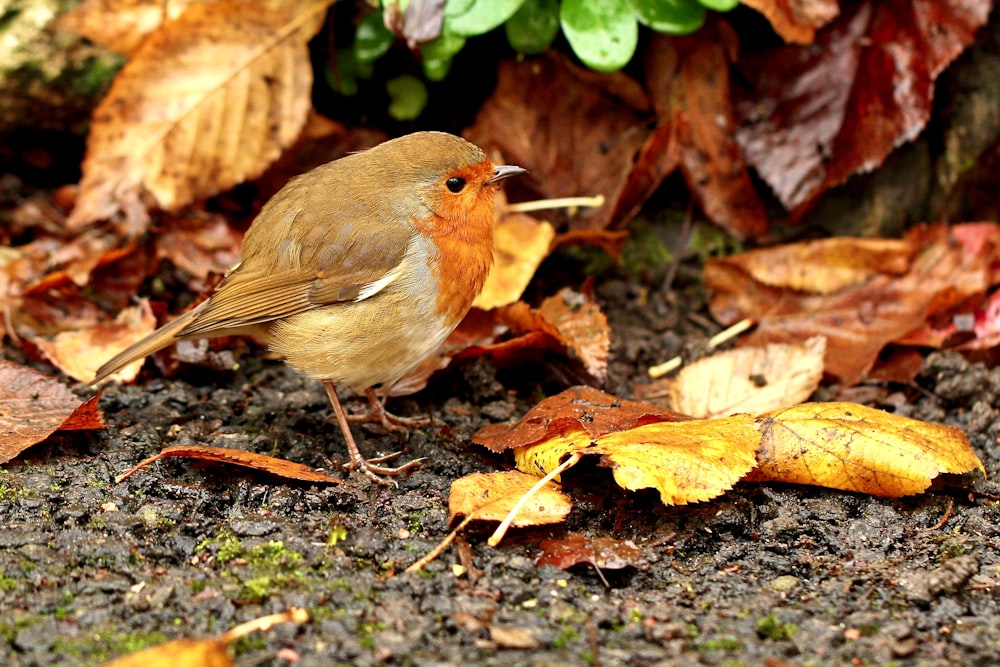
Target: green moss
{"type": "Point", "coordinates": [771, 628]}
{"type": "Point", "coordinates": [338, 533]}
{"type": "Point", "coordinates": [722, 644]}
{"type": "Point", "coordinates": [566, 635]}
{"type": "Point", "coordinates": [104, 645]}
{"type": "Point", "coordinates": [7, 584]}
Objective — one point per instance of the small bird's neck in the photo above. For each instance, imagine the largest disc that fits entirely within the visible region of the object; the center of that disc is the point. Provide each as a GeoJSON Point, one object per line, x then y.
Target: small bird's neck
{"type": "Point", "coordinates": [466, 258]}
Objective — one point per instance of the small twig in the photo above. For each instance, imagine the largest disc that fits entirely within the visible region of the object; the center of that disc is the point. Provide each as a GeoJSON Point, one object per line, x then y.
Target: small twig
{"type": "Point", "coordinates": [439, 549]}
{"type": "Point", "coordinates": [561, 202]}
{"type": "Point", "coordinates": [265, 623]}
{"type": "Point", "coordinates": [718, 339]}
{"type": "Point", "coordinates": [512, 514]}
{"type": "Point", "coordinates": [729, 333]}
{"type": "Point", "coordinates": [944, 519]}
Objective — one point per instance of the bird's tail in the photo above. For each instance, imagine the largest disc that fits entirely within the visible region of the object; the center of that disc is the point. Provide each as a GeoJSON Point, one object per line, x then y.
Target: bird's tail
{"type": "Point", "coordinates": [163, 337]}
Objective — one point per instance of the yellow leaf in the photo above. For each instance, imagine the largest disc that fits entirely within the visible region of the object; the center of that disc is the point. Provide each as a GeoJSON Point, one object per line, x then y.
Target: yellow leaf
{"type": "Point", "coordinates": [490, 497]}
{"type": "Point", "coordinates": [522, 242]}
{"type": "Point", "coordinates": [207, 101]}
{"type": "Point", "coordinates": [856, 448]}
{"type": "Point", "coordinates": [200, 652]}
{"type": "Point", "coordinates": [749, 379]}
{"type": "Point", "coordinates": [685, 461]}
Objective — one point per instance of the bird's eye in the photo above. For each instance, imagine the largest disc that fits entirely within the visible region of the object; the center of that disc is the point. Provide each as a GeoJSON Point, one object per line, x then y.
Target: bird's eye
{"type": "Point", "coordinates": [455, 184]}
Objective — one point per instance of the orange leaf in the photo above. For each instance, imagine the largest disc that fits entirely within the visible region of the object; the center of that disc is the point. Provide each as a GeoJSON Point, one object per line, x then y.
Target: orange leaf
{"type": "Point", "coordinates": [80, 353]}
{"type": "Point", "coordinates": [856, 448]}
{"type": "Point", "coordinates": [582, 327]}
{"type": "Point", "coordinates": [858, 320]}
{"type": "Point", "coordinates": [209, 652]}
{"type": "Point", "coordinates": [206, 102]}
{"type": "Point", "coordinates": [239, 457]}
{"type": "Point", "coordinates": [33, 406]}
{"type": "Point", "coordinates": [579, 408]}
{"type": "Point", "coordinates": [796, 20]}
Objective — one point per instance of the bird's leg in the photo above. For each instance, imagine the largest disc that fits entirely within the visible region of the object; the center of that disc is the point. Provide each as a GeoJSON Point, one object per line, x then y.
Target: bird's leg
{"type": "Point", "coordinates": [371, 469]}
{"type": "Point", "coordinates": [390, 422]}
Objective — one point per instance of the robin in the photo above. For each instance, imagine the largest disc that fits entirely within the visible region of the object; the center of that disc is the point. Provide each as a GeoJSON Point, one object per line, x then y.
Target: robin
{"type": "Point", "coordinates": [357, 271]}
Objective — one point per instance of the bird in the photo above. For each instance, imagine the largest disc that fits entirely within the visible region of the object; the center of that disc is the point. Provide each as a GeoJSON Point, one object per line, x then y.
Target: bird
{"type": "Point", "coordinates": [355, 272]}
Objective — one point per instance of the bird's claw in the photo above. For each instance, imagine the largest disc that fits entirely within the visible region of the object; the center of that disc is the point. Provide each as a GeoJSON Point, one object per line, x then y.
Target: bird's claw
{"type": "Point", "coordinates": [377, 473]}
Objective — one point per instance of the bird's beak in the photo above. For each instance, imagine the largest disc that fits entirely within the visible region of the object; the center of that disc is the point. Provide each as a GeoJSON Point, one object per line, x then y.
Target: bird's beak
{"type": "Point", "coordinates": [503, 172]}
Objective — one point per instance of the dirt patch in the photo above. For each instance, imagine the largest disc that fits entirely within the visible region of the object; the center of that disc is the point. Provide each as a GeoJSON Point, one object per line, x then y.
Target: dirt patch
{"type": "Point", "coordinates": [764, 575]}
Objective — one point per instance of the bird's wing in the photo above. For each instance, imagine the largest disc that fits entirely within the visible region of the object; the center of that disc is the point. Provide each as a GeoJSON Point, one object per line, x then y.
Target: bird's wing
{"type": "Point", "coordinates": [248, 296]}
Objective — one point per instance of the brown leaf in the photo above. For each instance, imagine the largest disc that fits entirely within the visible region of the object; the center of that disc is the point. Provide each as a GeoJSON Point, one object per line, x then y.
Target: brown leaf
{"type": "Point", "coordinates": [604, 553]}
{"type": "Point", "coordinates": [814, 115]}
{"type": "Point", "coordinates": [859, 320]}
{"type": "Point", "coordinates": [856, 448]}
{"type": "Point", "coordinates": [689, 82]}
{"type": "Point", "coordinates": [33, 406]}
{"type": "Point", "coordinates": [80, 353]}
{"type": "Point", "coordinates": [200, 245]}
{"type": "Point", "coordinates": [207, 101]}
{"type": "Point", "coordinates": [578, 408]}
{"type": "Point", "coordinates": [239, 457]}
{"type": "Point", "coordinates": [576, 132]}
{"type": "Point", "coordinates": [490, 497]}
{"type": "Point", "coordinates": [749, 379]}
{"type": "Point", "coordinates": [796, 20]}
{"type": "Point", "coordinates": [120, 25]}
{"type": "Point", "coordinates": [582, 327]}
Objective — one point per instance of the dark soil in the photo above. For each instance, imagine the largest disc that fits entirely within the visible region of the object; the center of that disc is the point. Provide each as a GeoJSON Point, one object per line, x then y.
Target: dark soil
{"type": "Point", "coordinates": [774, 575]}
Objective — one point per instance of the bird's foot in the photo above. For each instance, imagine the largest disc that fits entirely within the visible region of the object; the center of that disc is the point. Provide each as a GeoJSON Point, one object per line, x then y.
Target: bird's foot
{"type": "Point", "coordinates": [371, 469]}
{"type": "Point", "coordinates": [378, 414]}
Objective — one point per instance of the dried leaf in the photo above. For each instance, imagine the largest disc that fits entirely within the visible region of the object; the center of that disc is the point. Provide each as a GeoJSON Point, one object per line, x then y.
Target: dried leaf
{"type": "Point", "coordinates": [209, 652]}
{"type": "Point", "coordinates": [207, 101]}
{"type": "Point", "coordinates": [575, 131]}
{"type": "Point", "coordinates": [579, 408]}
{"type": "Point", "coordinates": [513, 638]}
{"type": "Point", "coordinates": [604, 553]}
{"type": "Point", "coordinates": [522, 242]}
{"type": "Point", "coordinates": [856, 448]}
{"type": "Point", "coordinates": [33, 406]}
{"type": "Point", "coordinates": [120, 25]}
{"type": "Point", "coordinates": [685, 462]}
{"type": "Point", "coordinates": [490, 497]}
{"type": "Point", "coordinates": [859, 320]}
{"type": "Point", "coordinates": [814, 115]}
{"type": "Point", "coordinates": [828, 265]}
{"type": "Point", "coordinates": [239, 457]}
{"type": "Point", "coordinates": [749, 380]}
{"type": "Point", "coordinates": [689, 82]}
{"type": "Point", "coordinates": [199, 246]}
{"type": "Point", "coordinates": [796, 20]}
{"type": "Point", "coordinates": [80, 353]}
{"type": "Point", "coordinates": [582, 327]}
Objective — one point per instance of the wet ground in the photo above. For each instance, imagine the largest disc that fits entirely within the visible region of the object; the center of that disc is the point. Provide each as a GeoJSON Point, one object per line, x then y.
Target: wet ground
{"type": "Point", "coordinates": [765, 575]}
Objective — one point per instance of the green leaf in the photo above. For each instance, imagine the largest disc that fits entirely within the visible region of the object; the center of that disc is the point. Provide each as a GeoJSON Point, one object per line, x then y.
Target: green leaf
{"type": "Point", "coordinates": [533, 27]}
{"type": "Point", "coordinates": [466, 18]}
{"type": "Point", "coordinates": [437, 54]}
{"type": "Point", "coordinates": [720, 5]}
{"type": "Point", "coordinates": [674, 17]}
{"type": "Point", "coordinates": [372, 39]}
{"type": "Point", "coordinates": [408, 96]}
{"type": "Point", "coordinates": [603, 34]}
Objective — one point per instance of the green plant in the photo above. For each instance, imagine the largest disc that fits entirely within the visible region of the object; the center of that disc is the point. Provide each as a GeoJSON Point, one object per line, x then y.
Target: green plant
{"type": "Point", "coordinates": [603, 34]}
